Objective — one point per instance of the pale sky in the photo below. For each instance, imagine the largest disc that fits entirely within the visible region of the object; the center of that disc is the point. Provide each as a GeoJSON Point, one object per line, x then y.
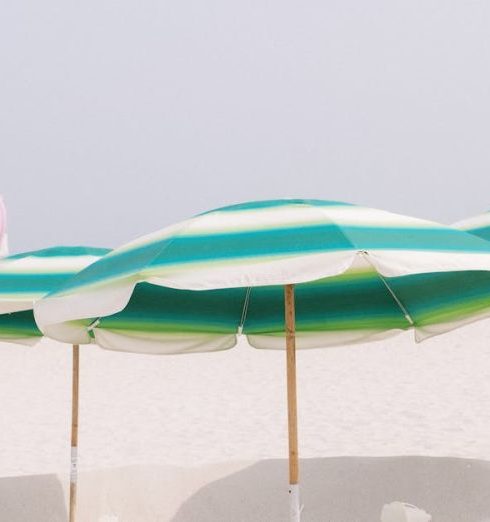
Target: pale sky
{"type": "Point", "coordinates": [118, 118]}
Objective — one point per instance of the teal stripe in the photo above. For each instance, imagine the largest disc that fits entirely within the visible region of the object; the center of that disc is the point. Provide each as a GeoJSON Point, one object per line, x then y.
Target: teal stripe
{"type": "Point", "coordinates": [274, 203]}
{"type": "Point", "coordinates": [308, 240]}
{"type": "Point", "coordinates": [60, 252]}
{"type": "Point", "coordinates": [482, 232]}
{"type": "Point", "coordinates": [31, 283]}
{"type": "Point", "coordinates": [336, 304]}
{"type": "Point", "coordinates": [155, 308]}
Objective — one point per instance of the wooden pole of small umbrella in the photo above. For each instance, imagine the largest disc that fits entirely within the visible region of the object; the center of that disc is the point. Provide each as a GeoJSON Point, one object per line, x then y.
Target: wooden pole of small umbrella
{"type": "Point", "coordinates": [74, 432]}
{"type": "Point", "coordinates": [294, 501]}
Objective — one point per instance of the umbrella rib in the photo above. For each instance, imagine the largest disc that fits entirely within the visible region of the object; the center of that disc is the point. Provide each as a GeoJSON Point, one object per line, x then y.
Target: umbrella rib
{"type": "Point", "coordinates": [244, 310]}
{"type": "Point", "coordinates": [399, 303]}
{"type": "Point", "coordinates": [391, 291]}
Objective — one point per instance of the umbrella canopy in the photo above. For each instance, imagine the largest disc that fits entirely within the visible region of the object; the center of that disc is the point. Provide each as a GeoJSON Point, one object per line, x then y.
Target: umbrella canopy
{"type": "Point", "coordinates": [360, 274]}
{"type": "Point", "coordinates": [26, 277]}
{"type": "Point", "coordinates": [477, 225]}
{"type": "Point", "coordinates": [3, 229]}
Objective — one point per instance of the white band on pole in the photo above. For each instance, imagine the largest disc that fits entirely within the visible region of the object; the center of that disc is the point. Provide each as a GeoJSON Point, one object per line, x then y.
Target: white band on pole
{"type": "Point", "coordinates": [74, 465]}
{"type": "Point", "coordinates": [294, 503]}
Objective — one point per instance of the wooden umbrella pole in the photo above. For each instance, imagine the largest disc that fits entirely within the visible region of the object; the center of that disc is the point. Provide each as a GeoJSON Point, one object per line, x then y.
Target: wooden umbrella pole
{"type": "Point", "coordinates": [294, 502]}
{"type": "Point", "coordinates": [74, 432]}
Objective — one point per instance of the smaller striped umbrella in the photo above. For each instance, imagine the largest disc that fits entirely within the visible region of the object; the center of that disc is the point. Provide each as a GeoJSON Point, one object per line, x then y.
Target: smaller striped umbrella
{"type": "Point", "coordinates": [25, 278]}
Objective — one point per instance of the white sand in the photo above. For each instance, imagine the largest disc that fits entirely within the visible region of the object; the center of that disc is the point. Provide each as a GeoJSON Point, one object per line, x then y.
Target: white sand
{"type": "Point", "coordinates": [195, 438]}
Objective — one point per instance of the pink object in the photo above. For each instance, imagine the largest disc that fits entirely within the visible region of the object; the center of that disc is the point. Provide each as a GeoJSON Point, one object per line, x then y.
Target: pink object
{"type": "Point", "coordinates": [3, 229]}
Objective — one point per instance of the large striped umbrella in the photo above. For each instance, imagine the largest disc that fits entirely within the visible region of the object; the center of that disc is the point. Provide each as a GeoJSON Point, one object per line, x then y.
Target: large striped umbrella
{"type": "Point", "coordinates": [25, 278]}
{"type": "Point", "coordinates": [351, 273]}
{"type": "Point", "coordinates": [477, 225]}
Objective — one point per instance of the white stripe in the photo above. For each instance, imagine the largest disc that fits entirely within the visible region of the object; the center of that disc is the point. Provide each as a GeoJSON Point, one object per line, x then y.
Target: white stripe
{"type": "Point", "coordinates": [298, 215]}
{"type": "Point", "coordinates": [392, 263]}
{"type": "Point", "coordinates": [371, 217]}
{"type": "Point", "coordinates": [46, 265]}
{"type": "Point", "coordinates": [473, 223]}
{"type": "Point", "coordinates": [256, 272]}
{"type": "Point", "coordinates": [218, 222]}
{"type": "Point", "coordinates": [304, 268]}
{"type": "Point", "coordinates": [101, 302]}
{"type": "Point", "coordinates": [152, 237]}
{"type": "Point", "coordinates": [24, 341]}
{"type": "Point", "coordinates": [163, 343]}
{"type": "Point", "coordinates": [312, 340]}
{"type": "Point", "coordinates": [10, 304]}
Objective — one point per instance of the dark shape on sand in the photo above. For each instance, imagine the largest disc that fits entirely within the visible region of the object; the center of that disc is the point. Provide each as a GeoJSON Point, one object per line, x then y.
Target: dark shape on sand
{"type": "Point", "coordinates": [348, 489]}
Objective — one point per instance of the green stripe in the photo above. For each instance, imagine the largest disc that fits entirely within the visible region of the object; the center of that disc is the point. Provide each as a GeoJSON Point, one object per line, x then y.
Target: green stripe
{"type": "Point", "coordinates": [341, 303]}
{"type": "Point", "coordinates": [154, 308]}
{"type": "Point", "coordinates": [18, 325]}
{"type": "Point", "coordinates": [348, 303]}
{"type": "Point", "coordinates": [443, 297]}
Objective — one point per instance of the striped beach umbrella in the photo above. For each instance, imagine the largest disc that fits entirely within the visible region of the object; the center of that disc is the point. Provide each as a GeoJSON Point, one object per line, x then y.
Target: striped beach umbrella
{"type": "Point", "coordinates": [293, 273]}
{"type": "Point", "coordinates": [477, 225]}
{"type": "Point", "coordinates": [26, 278]}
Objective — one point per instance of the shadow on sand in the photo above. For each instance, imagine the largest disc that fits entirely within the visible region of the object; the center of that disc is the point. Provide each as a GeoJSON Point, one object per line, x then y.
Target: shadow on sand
{"type": "Point", "coordinates": [347, 489]}
{"type": "Point", "coordinates": [34, 498]}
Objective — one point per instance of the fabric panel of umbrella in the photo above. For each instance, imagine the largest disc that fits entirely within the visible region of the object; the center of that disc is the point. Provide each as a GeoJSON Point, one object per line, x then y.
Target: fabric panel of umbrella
{"type": "Point", "coordinates": [350, 273]}
{"type": "Point", "coordinates": [25, 278]}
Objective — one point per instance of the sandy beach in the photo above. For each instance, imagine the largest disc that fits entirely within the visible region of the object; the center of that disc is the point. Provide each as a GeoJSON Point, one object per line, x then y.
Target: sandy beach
{"type": "Point", "coordinates": [203, 437]}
